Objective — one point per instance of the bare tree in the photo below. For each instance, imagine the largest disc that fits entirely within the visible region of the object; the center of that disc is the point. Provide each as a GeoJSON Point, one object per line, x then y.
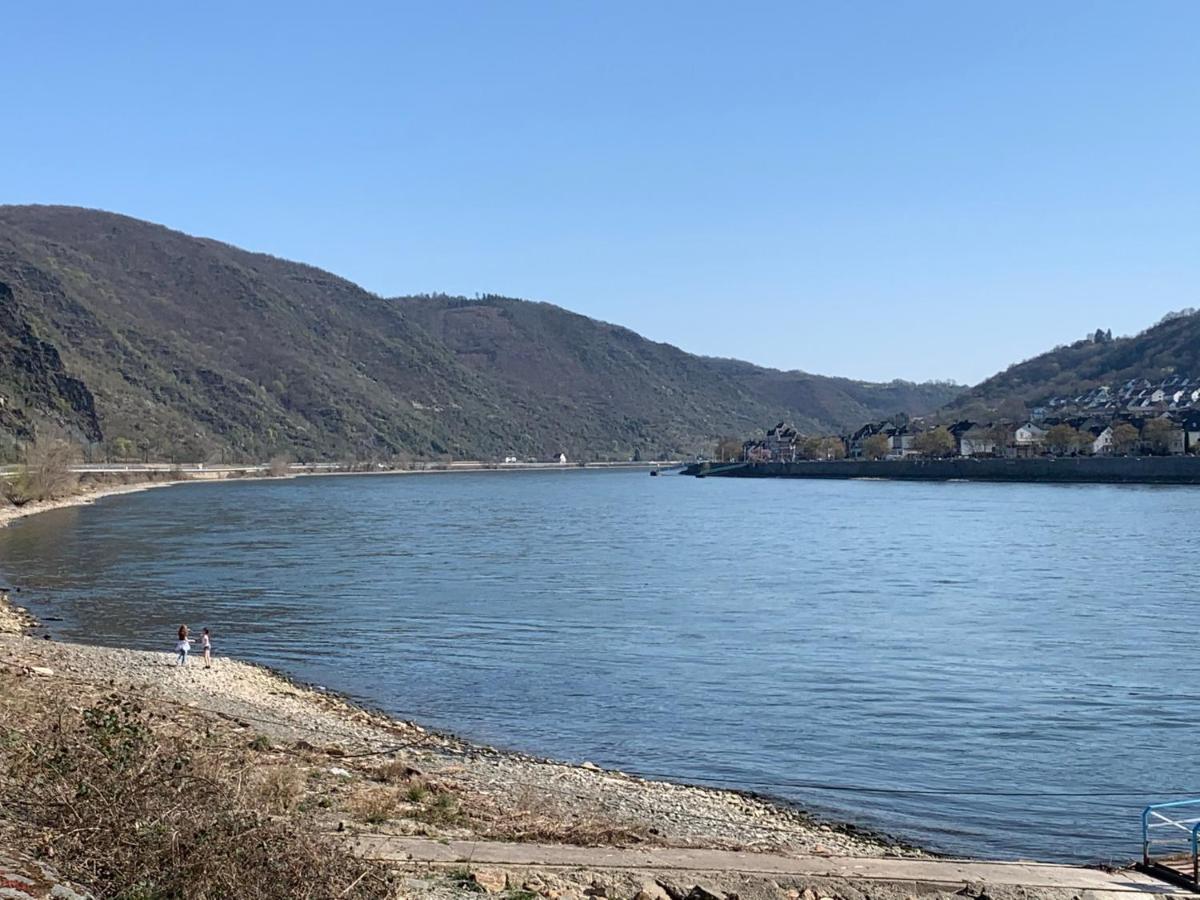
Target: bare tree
{"type": "Point", "coordinates": [729, 449]}
{"type": "Point", "coordinates": [936, 442]}
{"type": "Point", "coordinates": [46, 472]}
{"type": "Point", "coordinates": [877, 446]}
{"type": "Point", "coordinates": [279, 466]}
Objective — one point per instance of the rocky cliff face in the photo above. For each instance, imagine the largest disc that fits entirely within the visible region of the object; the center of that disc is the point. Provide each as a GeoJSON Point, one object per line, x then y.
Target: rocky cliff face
{"type": "Point", "coordinates": [35, 388]}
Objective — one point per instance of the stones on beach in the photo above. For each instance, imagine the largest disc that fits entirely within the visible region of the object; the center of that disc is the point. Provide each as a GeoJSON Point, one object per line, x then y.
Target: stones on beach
{"type": "Point", "coordinates": [493, 881]}
{"type": "Point", "coordinates": [24, 878]}
{"type": "Point", "coordinates": [651, 890]}
{"type": "Point", "coordinates": [572, 799]}
{"type": "Point", "coordinates": [44, 671]}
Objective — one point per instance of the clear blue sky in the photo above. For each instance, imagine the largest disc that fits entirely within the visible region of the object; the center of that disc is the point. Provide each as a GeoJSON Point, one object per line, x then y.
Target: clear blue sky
{"type": "Point", "coordinates": [889, 189]}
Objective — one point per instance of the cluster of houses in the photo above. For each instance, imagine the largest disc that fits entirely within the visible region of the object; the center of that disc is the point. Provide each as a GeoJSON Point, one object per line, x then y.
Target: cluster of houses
{"type": "Point", "coordinates": [1174, 393]}
{"type": "Point", "coordinates": [1165, 432]}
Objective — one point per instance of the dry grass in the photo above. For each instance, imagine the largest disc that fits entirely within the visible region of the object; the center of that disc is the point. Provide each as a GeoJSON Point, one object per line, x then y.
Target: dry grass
{"type": "Point", "coordinates": [280, 788]}
{"type": "Point", "coordinates": [439, 808]}
{"type": "Point", "coordinates": [141, 808]}
{"type": "Point", "coordinates": [374, 805]}
{"type": "Point", "coordinates": [533, 816]}
{"type": "Point", "coordinates": [395, 771]}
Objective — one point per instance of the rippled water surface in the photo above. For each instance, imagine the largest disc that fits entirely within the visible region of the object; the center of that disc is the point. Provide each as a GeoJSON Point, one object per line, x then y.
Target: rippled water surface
{"type": "Point", "coordinates": [1021, 660]}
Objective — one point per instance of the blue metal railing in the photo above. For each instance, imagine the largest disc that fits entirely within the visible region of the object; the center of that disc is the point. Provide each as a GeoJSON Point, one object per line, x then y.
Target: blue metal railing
{"type": "Point", "coordinates": [1196, 854]}
{"type": "Point", "coordinates": [1161, 827]}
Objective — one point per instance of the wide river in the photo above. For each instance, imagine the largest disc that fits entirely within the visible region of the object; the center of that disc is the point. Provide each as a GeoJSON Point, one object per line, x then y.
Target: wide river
{"type": "Point", "coordinates": [1002, 670]}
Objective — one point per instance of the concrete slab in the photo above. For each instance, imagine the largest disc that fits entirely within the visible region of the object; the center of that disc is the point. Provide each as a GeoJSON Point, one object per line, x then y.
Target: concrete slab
{"type": "Point", "coordinates": [926, 871]}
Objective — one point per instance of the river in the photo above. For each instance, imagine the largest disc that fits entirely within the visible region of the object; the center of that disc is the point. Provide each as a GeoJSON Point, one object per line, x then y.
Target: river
{"type": "Point", "coordinates": [999, 670]}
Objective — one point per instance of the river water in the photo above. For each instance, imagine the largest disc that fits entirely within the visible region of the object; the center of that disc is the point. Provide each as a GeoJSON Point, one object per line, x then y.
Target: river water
{"type": "Point", "coordinates": [1001, 670]}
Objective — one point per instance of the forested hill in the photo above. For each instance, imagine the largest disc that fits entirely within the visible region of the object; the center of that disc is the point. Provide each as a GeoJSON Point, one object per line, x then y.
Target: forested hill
{"type": "Point", "coordinates": [1172, 347]}
{"type": "Point", "coordinates": [120, 332]}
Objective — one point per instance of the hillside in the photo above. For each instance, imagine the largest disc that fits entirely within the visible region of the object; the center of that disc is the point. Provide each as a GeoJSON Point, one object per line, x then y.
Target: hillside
{"type": "Point", "coordinates": [189, 348]}
{"type": "Point", "coordinates": [1172, 347]}
{"type": "Point", "coordinates": [622, 390]}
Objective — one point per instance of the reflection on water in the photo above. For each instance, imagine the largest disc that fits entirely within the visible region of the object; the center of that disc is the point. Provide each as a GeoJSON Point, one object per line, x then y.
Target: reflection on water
{"type": "Point", "coordinates": [1017, 656]}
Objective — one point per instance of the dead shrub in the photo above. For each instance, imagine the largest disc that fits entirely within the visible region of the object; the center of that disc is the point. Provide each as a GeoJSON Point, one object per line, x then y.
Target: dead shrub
{"type": "Point", "coordinates": [416, 791]}
{"type": "Point", "coordinates": [441, 808]}
{"type": "Point", "coordinates": [395, 771]}
{"type": "Point", "coordinates": [45, 474]}
{"type": "Point", "coordinates": [279, 466]}
{"type": "Point", "coordinates": [374, 805]}
{"type": "Point", "coordinates": [134, 814]}
{"type": "Point", "coordinates": [280, 789]}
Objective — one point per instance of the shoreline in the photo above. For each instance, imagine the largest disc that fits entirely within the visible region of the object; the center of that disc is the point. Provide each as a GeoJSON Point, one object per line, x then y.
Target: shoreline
{"type": "Point", "coordinates": [634, 810]}
{"type": "Point", "coordinates": [1105, 470]}
{"type": "Point", "coordinates": [85, 497]}
{"type": "Point", "coordinates": [438, 818]}
{"type": "Point", "coordinates": [671, 812]}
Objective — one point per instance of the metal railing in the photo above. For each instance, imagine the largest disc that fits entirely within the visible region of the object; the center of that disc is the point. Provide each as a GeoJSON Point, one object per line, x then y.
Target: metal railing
{"type": "Point", "coordinates": [1170, 830]}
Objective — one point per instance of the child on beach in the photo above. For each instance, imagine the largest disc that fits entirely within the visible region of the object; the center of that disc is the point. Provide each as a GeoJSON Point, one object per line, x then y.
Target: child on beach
{"type": "Point", "coordinates": [183, 645]}
{"type": "Point", "coordinates": [206, 646]}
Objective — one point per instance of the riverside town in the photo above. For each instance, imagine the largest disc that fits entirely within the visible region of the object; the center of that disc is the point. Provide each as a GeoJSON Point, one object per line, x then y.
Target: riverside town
{"type": "Point", "coordinates": [1137, 418]}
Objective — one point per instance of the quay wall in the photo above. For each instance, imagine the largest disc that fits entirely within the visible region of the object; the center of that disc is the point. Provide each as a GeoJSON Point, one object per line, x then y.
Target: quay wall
{"type": "Point", "coordinates": [1063, 470]}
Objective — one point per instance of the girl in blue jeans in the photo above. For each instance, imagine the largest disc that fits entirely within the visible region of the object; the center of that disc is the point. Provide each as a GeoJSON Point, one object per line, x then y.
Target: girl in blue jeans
{"type": "Point", "coordinates": [183, 645]}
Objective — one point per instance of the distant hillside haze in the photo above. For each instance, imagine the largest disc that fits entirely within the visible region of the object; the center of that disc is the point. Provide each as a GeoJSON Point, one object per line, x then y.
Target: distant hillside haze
{"type": "Point", "coordinates": [117, 330]}
{"type": "Point", "coordinates": [1172, 347]}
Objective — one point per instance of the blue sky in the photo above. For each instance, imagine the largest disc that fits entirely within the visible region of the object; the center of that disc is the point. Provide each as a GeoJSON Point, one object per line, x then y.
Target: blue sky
{"type": "Point", "coordinates": [890, 189]}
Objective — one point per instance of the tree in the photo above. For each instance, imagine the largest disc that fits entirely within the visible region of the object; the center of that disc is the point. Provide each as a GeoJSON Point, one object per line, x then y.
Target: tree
{"type": "Point", "coordinates": [122, 448]}
{"type": "Point", "coordinates": [280, 466]}
{"type": "Point", "coordinates": [1001, 435]}
{"type": "Point", "coordinates": [1157, 436]}
{"type": "Point", "coordinates": [935, 443]}
{"type": "Point", "coordinates": [1124, 438]}
{"type": "Point", "coordinates": [877, 446]}
{"type": "Point", "coordinates": [831, 448]}
{"type": "Point", "coordinates": [728, 449]}
{"type": "Point", "coordinates": [1062, 439]}
{"type": "Point", "coordinates": [46, 474]}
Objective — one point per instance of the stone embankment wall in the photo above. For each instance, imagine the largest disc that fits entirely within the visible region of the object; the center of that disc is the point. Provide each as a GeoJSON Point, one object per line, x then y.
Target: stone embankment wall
{"type": "Point", "coordinates": [1084, 469]}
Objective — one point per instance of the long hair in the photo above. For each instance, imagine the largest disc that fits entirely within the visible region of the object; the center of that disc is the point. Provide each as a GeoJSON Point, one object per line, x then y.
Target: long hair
{"type": "Point", "coordinates": [183, 632]}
